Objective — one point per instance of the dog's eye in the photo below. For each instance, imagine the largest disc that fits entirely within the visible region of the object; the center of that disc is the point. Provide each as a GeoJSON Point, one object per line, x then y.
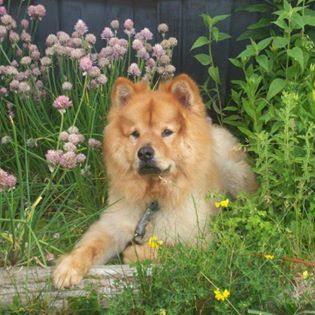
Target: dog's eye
{"type": "Point", "coordinates": [167, 132]}
{"type": "Point", "coordinates": [135, 134]}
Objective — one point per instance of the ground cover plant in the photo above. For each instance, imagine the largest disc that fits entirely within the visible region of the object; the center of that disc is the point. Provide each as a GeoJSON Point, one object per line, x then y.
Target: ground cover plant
{"type": "Point", "coordinates": [53, 109]}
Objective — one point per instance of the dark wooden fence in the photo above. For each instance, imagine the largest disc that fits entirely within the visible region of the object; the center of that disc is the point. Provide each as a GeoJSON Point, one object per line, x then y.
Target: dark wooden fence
{"type": "Point", "coordinates": [182, 16]}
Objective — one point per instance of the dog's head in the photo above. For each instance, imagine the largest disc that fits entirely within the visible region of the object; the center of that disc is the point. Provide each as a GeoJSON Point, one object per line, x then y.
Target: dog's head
{"type": "Point", "coordinates": [152, 133]}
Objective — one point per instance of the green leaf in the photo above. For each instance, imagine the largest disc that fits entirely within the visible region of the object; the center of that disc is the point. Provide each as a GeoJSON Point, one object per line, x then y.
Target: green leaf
{"type": "Point", "coordinates": [207, 20]}
{"type": "Point", "coordinates": [280, 42]}
{"type": "Point", "coordinates": [214, 74]}
{"type": "Point", "coordinates": [253, 34]}
{"type": "Point", "coordinates": [203, 59]}
{"type": "Point", "coordinates": [219, 18]}
{"type": "Point", "coordinates": [276, 86]}
{"type": "Point", "coordinates": [309, 20]}
{"type": "Point", "coordinates": [264, 43]}
{"type": "Point", "coordinates": [223, 36]}
{"type": "Point", "coordinates": [296, 53]}
{"type": "Point", "coordinates": [263, 22]}
{"type": "Point", "coordinates": [231, 108]}
{"type": "Point", "coordinates": [254, 8]}
{"type": "Point", "coordinates": [245, 131]}
{"type": "Point", "coordinates": [219, 36]}
{"type": "Point", "coordinates": [236, 62]}
{"type": "Point", "coordinates": [250, 111]}
{"type": "Point", "coordinates": [263, 62]}
{"type": "Point", "coordinates": [200, 41]}
{"type": "Point", "coordinates": [248, 52]}
{"type": "Point", "coordinates": [282, 24]}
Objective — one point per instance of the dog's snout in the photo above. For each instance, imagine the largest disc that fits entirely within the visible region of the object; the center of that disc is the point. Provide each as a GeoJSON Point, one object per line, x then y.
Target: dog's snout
{"type": "Point", "coordinates": [146, 153]}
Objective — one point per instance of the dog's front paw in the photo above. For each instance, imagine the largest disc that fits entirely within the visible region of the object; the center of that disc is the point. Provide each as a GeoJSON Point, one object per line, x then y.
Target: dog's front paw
{"type": "Point", "coordinates": [69, 271]}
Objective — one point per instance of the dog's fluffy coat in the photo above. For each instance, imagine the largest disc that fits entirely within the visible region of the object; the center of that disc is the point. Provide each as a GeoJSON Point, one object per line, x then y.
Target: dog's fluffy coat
{"type": "Point", "coordinates": [191, 159]}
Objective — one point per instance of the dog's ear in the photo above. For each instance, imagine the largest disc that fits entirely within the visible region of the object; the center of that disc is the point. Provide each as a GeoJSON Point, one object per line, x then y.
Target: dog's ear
{"type": "Point", "coordinates": [124, 89]}
{"type": "Point", "coordinates": [186, 92]}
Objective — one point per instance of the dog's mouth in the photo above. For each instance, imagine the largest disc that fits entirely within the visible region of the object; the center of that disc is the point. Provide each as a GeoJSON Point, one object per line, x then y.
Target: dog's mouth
{"type": "Point", "coordinates": [150, 168]}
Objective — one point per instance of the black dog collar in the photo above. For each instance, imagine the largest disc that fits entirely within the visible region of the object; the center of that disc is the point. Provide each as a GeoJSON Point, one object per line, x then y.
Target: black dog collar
{"type": "Point", "coordinates": [152, 208]}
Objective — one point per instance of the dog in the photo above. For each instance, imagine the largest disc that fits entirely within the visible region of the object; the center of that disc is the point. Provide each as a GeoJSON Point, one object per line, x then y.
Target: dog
{"type": "Point", "coordinates": [159, 148]}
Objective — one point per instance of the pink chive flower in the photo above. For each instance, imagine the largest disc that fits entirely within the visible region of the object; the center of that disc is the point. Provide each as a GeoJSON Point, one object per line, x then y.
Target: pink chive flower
{"type": "Point", "coordinates": [114, 24]}
{"type": "Point", "coordinates": [81, 158]}
{"type": "Point", "coordinates": [63, 136]}
{"type": "Point", "coordinates": [6, 139]}
{"type": "Point", "coordinates": [80, 27]}
{"type": "Point", "coordinates": [162, 28]}
{"type": "Point", "coordinates": [144, 34]}
{"type": "Point", "coordinates": [73, 129]}
{"type": "Point", "coordinates": [3, 32]}
{"type": "Point", "coordinates": [53, 157]}
{"type": "Point", "coordinates": [62, 102]}
{"type": "Point", "coordinates": [25, 37]}
{"type": "Point", "coordinates": [67, 86]}
{"type": "Point", "coordinates": [24, 87]}
{"type": "Point", "coordinates": [107, 33]}
{"type": "Point", "coordinates": [63, 37]}
{"type": "Point", "coordinates": [94, 72]}
{"type": "Point", "coordinates": [3, 11]}
{"type": "Point", "coordinates": [68, 160]}
{"type": "Point", "coordinates": [25, 23]}
{"type": "Point", "coordinates": [86, 63]}
{"type": "Point", "coordinates": [75, 138]}
{"type": "Point", "coordinates": [26, 60]}
{"type": "Point", "coordinates": [158, 51]}
{"type": "Point", "coordinates": [51, 40]}
{"type": "Point", "coordinates": [90, 38]}
{"type": "Point", "coordinates": [7, 181]}
{"type": "Point", "coordinates": [13, 37]}
{"type": "Point", "coordinates": [36, 11]}
{"type": "Point", "coordinates": [128, 24]}
{"type": "Point", "coordinates": [102, 79]}
{"type": "Point", "coordinates": [134, 70]}
{"type": "Point", "coordinates": [137, 44]}
{"type": "Point", "coordinates": [69, 147]}
{"type": "Point", "coordinates": [45, 61]}
{"type": "Point", "coordinates": [143, 54]}
{"type": "Point", "coordinates": [94, 144]}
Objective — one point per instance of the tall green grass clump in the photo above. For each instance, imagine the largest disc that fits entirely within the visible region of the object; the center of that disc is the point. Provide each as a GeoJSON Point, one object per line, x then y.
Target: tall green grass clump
{"type": "Point", "coordinates": [53, 107]}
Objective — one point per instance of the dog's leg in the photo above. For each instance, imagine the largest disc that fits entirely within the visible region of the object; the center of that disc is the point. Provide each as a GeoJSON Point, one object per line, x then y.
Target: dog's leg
{"type": "Point", "coordinates": [141, 252]}
{"type": "Point", "coordinates": [103, 240]}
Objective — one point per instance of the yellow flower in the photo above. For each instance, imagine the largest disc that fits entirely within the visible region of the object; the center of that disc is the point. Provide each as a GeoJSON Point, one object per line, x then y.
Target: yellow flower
{"type": "Point", "coordinates": [221, 295]}
{"type": "Point", "coordinates": [154, 242]}
{"type": "Point", "coordinates": [222, 204]}
{"type": "Point", "coordinates": [269, 257]}
{"type": "Point", "coordinates": [305, 274]}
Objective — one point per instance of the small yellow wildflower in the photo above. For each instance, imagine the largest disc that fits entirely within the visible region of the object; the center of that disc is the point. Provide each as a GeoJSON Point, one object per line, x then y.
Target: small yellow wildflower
{"type": "Point", "coordinates": [221, 295]}
{"type": "Point", "coordinates": [305, 274]}
{"type": "Point", "coordinates": [154, 242]}
{"type": "Point", "coordinates": [269, 257]}
{"type": "Point", "coordinates": [222, 204]}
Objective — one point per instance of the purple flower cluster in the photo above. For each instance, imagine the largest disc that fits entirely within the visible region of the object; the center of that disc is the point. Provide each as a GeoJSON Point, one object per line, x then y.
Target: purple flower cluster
{"type": "Point", "coordinates": [7, 181]}
{"type": "Point", "coordinates": [62, 102]}
{"type": "Point", "coordinates": [68, 157]}
{"type": "Point", "coordinates": [29, 72]}
{"type": "Point", "coordinates": [36, 11]}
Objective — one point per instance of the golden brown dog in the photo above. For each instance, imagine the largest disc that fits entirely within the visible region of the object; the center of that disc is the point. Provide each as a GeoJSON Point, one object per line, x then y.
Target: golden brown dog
{"type": "Point", "coordinates": [158, 146]}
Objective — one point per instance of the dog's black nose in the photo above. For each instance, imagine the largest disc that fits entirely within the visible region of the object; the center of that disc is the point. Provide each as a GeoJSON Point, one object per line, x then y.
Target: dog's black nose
{"type": "Point", "coordinates": [146, 153]}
